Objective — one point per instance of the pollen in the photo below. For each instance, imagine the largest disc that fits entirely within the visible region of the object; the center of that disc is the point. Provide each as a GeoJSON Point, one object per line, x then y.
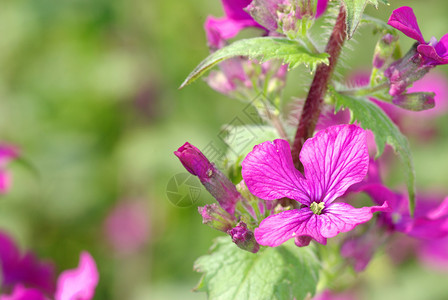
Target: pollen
{"type": "Point", "coordinates": [317, 208]}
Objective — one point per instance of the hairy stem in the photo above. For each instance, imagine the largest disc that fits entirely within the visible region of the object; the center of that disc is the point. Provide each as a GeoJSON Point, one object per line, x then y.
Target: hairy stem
{"type": "Point", "coordinates": [314, 100]}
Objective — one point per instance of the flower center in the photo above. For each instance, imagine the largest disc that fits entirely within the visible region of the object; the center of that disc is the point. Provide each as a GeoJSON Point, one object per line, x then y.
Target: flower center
{"type": "Point", "coordinates": [317, 208]}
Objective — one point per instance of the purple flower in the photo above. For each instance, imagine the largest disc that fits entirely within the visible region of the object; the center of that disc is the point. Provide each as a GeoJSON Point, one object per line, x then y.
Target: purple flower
{"type": "Point", "coordinates": [26, 270]}
{"type": "Point", "coordinates": [218, 30]}
{"type": "Point", "coordinates": [216, 183]}
{"type": "Point", "coordinates": [333, 160]}
{"type": "Point", "coordinates": [7, 153]}
{"type": "Point", "coordinates": [434, 53]}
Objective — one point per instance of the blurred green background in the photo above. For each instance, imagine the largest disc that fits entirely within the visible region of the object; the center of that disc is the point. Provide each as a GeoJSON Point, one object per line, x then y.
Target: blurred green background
{"type": "Point", "coordinates": [89, 92]}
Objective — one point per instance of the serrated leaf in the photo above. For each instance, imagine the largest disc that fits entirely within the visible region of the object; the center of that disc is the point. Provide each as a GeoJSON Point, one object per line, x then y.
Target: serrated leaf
{"type": "Point", "coordinates": [281, 273]}
{"type": "Point", "coordinates": [370, 116]}
{"type": "Point", "coordinates": [355, 10]}
{"type": "Point", "coordinates": [263, 49]}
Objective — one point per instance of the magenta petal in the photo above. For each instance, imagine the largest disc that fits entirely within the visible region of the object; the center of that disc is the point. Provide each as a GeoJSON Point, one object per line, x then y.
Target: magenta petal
{"type": "Point", "coordinates": [79, 283]}
{"type": "Point", "coordinates": [430, 52]}
{"type": "Point", "coordinates": [334, 159]}
{"type": "Point", "coordinates": [7, 153]}
{"type": "Point", "coordinates": [342, 217]}
{"type": "Point", "coordinates": [442, 46]}
{"type": "Point", "coordinates": [321, 7]}
{"type": "Point", "coordinates": [5, 181]}
{"type": "Point", "coordinates": [220, 29]}
{"type": "Point", "coordinates": [270, 174]}
{"type": "Point", "coordinates": [277, 229]}
{"type": "Point", "coordinates": [440, 212]}
{"type": "Point", "coordinates": [404, 19]}
{"type": "Point", "coordinates": [22, 293]}
{"type": "Point", "coordinates": [234, 9]}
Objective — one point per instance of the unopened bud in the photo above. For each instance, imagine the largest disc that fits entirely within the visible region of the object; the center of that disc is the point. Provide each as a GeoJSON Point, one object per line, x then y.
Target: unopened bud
{"type": "Point", "coordinates": [403, 72]}
{"type": "Point", "coordinates": [415, 101]}
{"type": "Point", "coordinates": [244, 238]}
{"type": "Point", "coordinates": [384, 50]}
{"type": "Point", "coordinates": [215, 182]}
{"type": "Point", "coordinates": [215, 217]}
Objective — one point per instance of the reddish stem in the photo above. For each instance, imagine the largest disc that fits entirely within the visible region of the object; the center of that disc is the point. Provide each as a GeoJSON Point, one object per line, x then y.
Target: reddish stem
{"type": "Point", "coordinates": [314, 100]}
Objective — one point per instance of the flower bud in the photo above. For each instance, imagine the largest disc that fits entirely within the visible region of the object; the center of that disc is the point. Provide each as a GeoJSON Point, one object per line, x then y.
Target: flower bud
{"type": "Point", "coordinates": [403, 72]}
{"type": "Point", "coordinates": [244, 238]}
{"type": "Point", "coordinates": [215, 217]}
{"type": "Point", "coordinates": [384, 50]}
{"type": "Point", "coordinates": [415, 101]}
{"type": "Point", "coordinates": [214, 181]}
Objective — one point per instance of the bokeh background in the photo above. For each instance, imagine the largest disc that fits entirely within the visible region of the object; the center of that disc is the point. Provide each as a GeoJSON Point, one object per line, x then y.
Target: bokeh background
{"type": "Point", "coordinates": [89, 93]}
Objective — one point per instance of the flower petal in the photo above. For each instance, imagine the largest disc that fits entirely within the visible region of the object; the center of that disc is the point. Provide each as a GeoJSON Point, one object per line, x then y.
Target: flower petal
{"type": "Point", "coordinates": [218, 30]}
{"type": "Point", "coordinates": [334, 159]}
{"type": "Point", "coordinates": [5, 181]}
{"type": "Point", "coordinates": [7, 153]}
{"type": "Point", "coordinates": [342, 217]}
{"type": "Point", "coordinates": [403, 19]}
{"type": "Point", "coordinates": [79, 283]}
{"type": "Point", "coordinates": [22, 293]}
{"type": "Point", "coordinates": [270, 174]}
{"type": "Point", "coordinates": [279, 228]}
{"type": "Point", "coordinates": [321, 7]}
{"type": "Point", "coordinates": [433, 58]}
{"type": "Point", "coordinates": [235, 9]}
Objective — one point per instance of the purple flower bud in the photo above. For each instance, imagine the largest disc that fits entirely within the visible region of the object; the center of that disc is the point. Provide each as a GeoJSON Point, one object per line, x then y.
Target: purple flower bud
{"type": "Point", "coordinates": [403, 72]}
{"type": "Point", "coordinates": [415, 101]}
{"type": "Point", "coordinates": [194, 161]}
{"type": "Point", "coordinates": [244, 238]}
{"type": "Point", "coordinates": [215, 182]}
{"type": "Point", "coordinates": [215, 217]}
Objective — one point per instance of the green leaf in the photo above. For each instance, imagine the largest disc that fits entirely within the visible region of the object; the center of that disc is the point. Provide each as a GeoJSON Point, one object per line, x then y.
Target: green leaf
{"type": "Point", "coordinates": [355, 10]}
{"type": "Point", "coordinates": [370, 116]}
{"type": "Point", "coordinates": [285, 272]}
{"type": "Point", "coordinates": [380, 25]}
{"type": "Point", "coordinates": [263, 49]}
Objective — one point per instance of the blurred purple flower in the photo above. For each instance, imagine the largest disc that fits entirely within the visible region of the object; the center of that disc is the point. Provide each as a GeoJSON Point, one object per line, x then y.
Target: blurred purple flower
{"type": "Point", "coordinates": [218, 30]}
{"type": "Point", "coordinates": [24, 270]}
{"type": "Point", "coordinates": [7, 153]}
{"type": "Point", "coordinates": [430, 219]}
{"type": "Point", "coordinates": [434, 53]}
{"type": "Point", "coordinates": [79, 283]}
{"type": "Point", "coordinates": [22, 293]}
{"type": "Point", "coordinates": [127, 226]}
{"type": "Point", "coordinates": [434, 253]}
{"type": "Point", "coordinates": [333, 160]}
